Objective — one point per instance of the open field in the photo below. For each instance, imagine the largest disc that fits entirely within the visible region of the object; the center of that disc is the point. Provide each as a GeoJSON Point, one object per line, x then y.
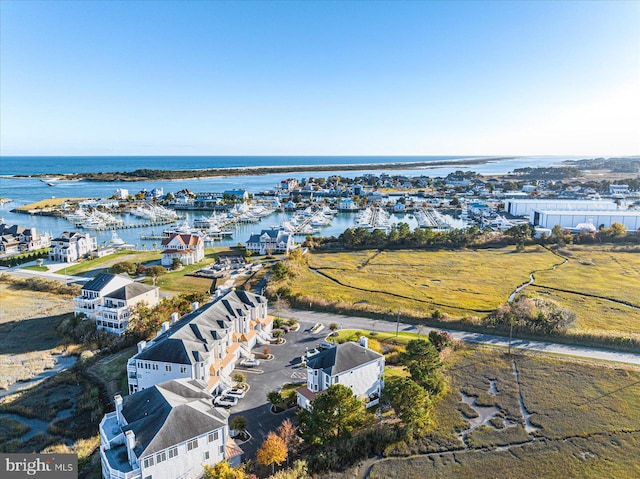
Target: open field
{"type": "Point", "coordinates": [419, 282]}
{"type": "Point", "coordinates": [48, 203]}
{"type": "Point", "coordinates": [584, 420]}
{"type": "Point", "coordinates": [28, 321]}
{"type": "Point", "coordinates": [469, 284]}
{"type": "Point", "coordinates": [179, 281]}
{"type": "Point", "coordinates": [603, 271]}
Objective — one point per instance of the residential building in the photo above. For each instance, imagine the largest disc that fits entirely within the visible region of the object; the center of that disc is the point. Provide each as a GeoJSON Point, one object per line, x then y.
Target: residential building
{"type": "Point", "coordinates": [15, 238]}
{"type": "Point", "coordinates": [121, 193]}
{"type": "Point", "coordinates": [168, 431]}
{"type": "Point", "coordinates": [187, 247]}
{"type": "Point", "coordinates": [204, 344]}
{"type": "Point", "coordinates": [109, 299]}
{"type": "Point", "coordinates": [238, 194]}
{"type": "Point", "coordinates": [71, 246]}
{"type": "Point", "coordinates": [271, 241]}
{"type": "Point", "coordinates": [353, 365]}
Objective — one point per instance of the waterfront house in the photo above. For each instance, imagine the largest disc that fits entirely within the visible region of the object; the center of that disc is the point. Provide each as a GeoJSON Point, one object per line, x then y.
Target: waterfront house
{"type": "Point", "coordinates": [71, 246]}
{"type": "Point", "coordinates": [17, 238]}
{"type": "Point", "coordinates": [271, 241]}
{"type": "Point", "coordinates": [109, 299]}
{"type": "Point", "coordinates": [187, 247]}
{"type": "Point", "coordinates": [352, 365]}
{"type": "Point", "coordinates": [204, 344]}
{"type": "Point", "coordinates": [171, 430]}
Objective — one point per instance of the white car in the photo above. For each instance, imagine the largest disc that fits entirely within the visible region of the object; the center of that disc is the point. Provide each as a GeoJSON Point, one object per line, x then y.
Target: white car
{"type": "Point", "coordinates": [225, 401]}
{"type": "Point", "coordinates": [248, 363]}
{"type": "Point", "coordinates": [235, 392]}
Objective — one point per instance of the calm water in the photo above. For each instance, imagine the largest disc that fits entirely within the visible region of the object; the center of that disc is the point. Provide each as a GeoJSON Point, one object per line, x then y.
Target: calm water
{"type": "Point", "coordinates": [27, 190]}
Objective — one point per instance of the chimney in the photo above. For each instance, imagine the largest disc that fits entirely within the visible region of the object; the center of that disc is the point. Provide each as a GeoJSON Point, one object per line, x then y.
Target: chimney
{"type": "Point", "coordinates": [165, 326]}
{"type": "Point", "coordinates": [194, 305]}
{"type": "Point", "coordinates": [130, 440]}
{"type": "Point", "coordinates": [175, 317]}
{"type": "Point", "coordinates": [141, 346]}
{"type": "Point", "coordinates": [364, 341]}
{"type": "Point", "coordinates": [118, 400]}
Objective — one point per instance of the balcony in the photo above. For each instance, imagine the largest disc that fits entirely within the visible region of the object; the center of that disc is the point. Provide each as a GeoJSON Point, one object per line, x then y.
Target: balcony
{"type": "Point", "coordinates": [116, 465]}
{"type": "Point", "coordinates": [105, 312]}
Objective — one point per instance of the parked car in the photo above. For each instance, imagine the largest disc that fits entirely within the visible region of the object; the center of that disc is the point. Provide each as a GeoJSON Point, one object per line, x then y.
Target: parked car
{"type": "Point", "coordinates": [225, 401]}
{"type": "Point", "coordinates": [235, 392]}
{"type": "Point", "coordinates": [248, 363]}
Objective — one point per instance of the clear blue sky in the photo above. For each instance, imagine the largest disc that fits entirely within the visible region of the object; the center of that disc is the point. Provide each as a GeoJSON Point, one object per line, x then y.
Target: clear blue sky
{"type": "Point", "coordinates": [319, 78]}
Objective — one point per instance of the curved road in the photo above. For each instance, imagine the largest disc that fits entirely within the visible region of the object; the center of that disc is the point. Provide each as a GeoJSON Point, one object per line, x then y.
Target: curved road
{"type": "Point", "coordinates": [352, 322]}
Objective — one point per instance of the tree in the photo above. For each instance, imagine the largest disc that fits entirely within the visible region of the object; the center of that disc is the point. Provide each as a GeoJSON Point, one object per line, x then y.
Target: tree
{"type": "Point", "coordinates": [422, 360]}
{"type": "Point", "coordinates": [176, 263]}
{"type": "Point", "coordinates": [334, 413]}
{"type": "Point", "coordinates": [275, 398]}
{"type": "Point", "coordinates": [124, 267]}
{"type": "Point", "coordinates": [299, 470]}
{"type": "Point", "coordinates": [273, 451]}
{"type": "Point", "coordinates": [287, 433]}
{"type": "Point", "coordinates": [238, 423]}
{"type": "Point", "coordinates": [223, 470]}
{"type": "Point", "coordinates": [411, 402]}
{"type": "Point", "coordinates": [333, 327]}
{"type": "Point", "coordinates": [239, 377]}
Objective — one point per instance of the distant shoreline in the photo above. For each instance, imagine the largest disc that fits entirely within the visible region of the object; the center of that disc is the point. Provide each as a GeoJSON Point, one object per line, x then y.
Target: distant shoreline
{"type": "Point", "coordinates": [157, 174]}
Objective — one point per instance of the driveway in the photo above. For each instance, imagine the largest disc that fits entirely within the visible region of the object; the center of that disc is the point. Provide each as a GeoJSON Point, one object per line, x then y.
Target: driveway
{"type": "Point", "coordinates": [269, 376]}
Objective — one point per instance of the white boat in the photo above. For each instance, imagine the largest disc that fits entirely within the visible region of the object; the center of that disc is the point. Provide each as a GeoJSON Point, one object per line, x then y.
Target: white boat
{"type": "Point", "coordinates": [118, 242]}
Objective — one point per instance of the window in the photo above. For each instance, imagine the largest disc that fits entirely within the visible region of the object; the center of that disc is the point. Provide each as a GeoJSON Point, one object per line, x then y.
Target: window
{"type": "Point", "coordinates": [335, 380]}
{"type": "Point", "coordinates": [168, 367]}
{"type": "Point", "coordinates": [162, 456]}
{"type": "Point", "coordinates": [173, 452]}
{"type": "Point", "coordinates": [221, 450]}
{"type": "Point", "coordinates": [206, 456]}
{"type": "Point", "coordinates": [183, 369]}
{"type": "Point", "coordinates": [148, 477]}
{"type": "Point", "coordinates": [193, 444]}
{"type": "Point", "coordinates": [155, 367]}
{"type": "Point", "coordinates": [148, 461]}
{"type": "Point", "coordinates": [213, 436]}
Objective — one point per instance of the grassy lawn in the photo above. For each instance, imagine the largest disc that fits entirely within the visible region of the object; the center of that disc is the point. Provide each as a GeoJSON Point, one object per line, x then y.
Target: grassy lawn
{"type": "Point", "coordinates": [179, 281]}
{"type": "Point", "coordinates": [587, 416]}
{"type": "Point", "coordinates": [92, 265]}
{"type": "Point", "coordinates": [42, 269]}
{"type": "Point", "coordinates": [457, 282]}
{"type": "Point", "coordinates": [112, 371]}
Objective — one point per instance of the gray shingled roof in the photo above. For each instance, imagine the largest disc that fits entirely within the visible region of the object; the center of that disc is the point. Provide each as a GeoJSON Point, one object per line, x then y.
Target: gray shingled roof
{"type": "Point", "coordinates": [170, 413]}
{"type": "Point", "coordinates": [190, 339]}
{"type": "Point", "coordinates": [342, 358]}
{"type": "Point", "coordinates": [130, 291]}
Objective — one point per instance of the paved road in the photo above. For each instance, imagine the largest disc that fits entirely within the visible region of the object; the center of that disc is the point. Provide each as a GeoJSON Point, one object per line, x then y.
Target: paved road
{"type": "Point", "coordinates": [28, 273]}
{"type": "Point", "coordinates": [352, 322]}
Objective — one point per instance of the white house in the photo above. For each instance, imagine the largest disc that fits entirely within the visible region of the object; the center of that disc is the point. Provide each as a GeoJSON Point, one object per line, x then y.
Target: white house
{"type": "Point", "coordinates": [109, 298]}
{"type": "Point", "coordinates": [204, 344]}
{"type": "Point", "coordinates": [121, 193]}
{"type": "Point", "coordinates": [350, 364]}
{"type": "Point", "coordinates": [71, 246]}
{"type": "Point", "coordinates": [168, 431]}
{"type": "Point", "coordinates": [188, 248]}
{"type": "Point", "coordinates": [27, 239]}
{"type": "Point", "coordinates": [271, 241]}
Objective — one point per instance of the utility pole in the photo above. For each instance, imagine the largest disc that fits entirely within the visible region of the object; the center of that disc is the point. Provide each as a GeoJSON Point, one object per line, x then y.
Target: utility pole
{"type": "Point", "coordinates": [398, 322]}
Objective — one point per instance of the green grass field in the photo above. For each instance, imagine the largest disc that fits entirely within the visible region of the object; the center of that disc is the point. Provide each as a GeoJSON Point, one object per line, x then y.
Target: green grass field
{"type": "Point", "coordinates": [94, 265]}
{"type": "Point", "coordinates": [587, 415]}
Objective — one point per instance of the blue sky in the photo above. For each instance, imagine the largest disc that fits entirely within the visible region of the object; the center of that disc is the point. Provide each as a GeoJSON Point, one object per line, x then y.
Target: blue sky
{"type": "Point", "coordinates": [319, 78]}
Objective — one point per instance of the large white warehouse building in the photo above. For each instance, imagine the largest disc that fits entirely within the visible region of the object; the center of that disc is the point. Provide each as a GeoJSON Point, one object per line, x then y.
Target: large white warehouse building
{"type": "Point", "coordinates": [572, 218]}
{"type": "Point", "coordinates": [526, 207]}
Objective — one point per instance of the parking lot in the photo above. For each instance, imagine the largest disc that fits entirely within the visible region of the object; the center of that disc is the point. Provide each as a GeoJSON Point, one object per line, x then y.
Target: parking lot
{"type": "Point", "coordinates": [272, 375]}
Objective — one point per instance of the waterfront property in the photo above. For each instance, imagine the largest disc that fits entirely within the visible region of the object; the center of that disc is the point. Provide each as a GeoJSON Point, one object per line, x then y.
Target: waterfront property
{"type": "Point", "coordinates": [271, 241]}
{"type": "Point", "coordinates": [71, 246]}
{"type": "Point", "coordinates": [352, 365]}
{"type": "Point", "coordinates": [204, 344]}
{"type": "Point", "coordinates": [188, 248]}
{"type": "Point", "coordinates": [17, 239]}
{"type": "Point", "coordinates": [109, 298]}
{"type": "Point", "coordinates": [168, 431]}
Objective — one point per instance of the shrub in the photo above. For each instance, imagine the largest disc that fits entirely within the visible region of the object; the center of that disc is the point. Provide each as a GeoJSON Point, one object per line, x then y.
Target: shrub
{"type": "Point", "coordinates": [239, 378]}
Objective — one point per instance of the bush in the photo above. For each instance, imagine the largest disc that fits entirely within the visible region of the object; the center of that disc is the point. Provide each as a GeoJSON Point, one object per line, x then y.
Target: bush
{"type": "Point", "coordinates": [124, 267]}
{"type": "Point", "coordinates": [239, 378]}
{"type": "Point", "coordinates": [156, 270]}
